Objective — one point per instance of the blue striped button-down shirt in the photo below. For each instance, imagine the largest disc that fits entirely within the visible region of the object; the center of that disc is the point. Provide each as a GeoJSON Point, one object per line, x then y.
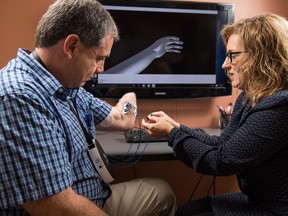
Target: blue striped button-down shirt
{"type": "Point", "coordinates": [42, 147]}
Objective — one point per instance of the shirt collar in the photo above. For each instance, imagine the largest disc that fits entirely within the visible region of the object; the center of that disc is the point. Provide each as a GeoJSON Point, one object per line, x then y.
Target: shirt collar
{"type": "Point", "coordinates": [64, 94]}
{"type": "Point", "coordinates": [50, 83]}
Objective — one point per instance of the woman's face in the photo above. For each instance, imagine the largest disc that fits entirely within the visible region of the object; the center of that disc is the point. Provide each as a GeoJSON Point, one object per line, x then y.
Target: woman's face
{"type": "Point", "coordinates": [234, 59]}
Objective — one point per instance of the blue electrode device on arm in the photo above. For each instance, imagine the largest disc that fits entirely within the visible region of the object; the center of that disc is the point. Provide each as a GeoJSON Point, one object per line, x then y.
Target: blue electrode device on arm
{"type": "Point", "coordinates": [128, 106]}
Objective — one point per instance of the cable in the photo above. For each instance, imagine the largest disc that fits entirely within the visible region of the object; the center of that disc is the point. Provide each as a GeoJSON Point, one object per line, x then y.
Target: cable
{"type": "Point", "coordinates": [133, 158]}
{"type": "Point", "coordinates": [193, 192]}
{"type": "Point", "coordinates": [213, 184]}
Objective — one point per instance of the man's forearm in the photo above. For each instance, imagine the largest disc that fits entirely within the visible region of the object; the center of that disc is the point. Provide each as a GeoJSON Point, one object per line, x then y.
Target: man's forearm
{"type": "Point", "coordinates": [119, 118]}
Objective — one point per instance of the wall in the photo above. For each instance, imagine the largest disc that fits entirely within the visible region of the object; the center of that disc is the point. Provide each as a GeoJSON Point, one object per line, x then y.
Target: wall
{"type": "Point", "coordinates": [18, 20]}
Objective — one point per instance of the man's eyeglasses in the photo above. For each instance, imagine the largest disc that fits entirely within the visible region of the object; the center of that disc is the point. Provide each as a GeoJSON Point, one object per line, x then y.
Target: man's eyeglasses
{"type": "Point", "coordinates": [232, 55]}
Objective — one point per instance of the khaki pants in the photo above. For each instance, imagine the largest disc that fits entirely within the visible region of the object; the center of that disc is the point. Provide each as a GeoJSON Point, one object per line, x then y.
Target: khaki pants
{"type": "Point", "coordinates": [141, 197]}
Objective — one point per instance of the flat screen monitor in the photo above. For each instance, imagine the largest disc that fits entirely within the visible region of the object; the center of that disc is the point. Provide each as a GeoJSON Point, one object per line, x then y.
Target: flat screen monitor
{"type": "Point", "coordinates": [167, 49]}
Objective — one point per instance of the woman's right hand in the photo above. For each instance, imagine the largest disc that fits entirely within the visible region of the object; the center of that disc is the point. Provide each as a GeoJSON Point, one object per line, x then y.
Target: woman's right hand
{"type": "Point", "coordinates": [159, 124]}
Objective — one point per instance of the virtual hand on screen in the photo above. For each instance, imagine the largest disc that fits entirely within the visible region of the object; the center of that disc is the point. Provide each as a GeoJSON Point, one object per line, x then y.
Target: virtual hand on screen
{"type": "Point", "coordinates": [140, 61]}
{"type": "Point", "coordinates": [167, 44]}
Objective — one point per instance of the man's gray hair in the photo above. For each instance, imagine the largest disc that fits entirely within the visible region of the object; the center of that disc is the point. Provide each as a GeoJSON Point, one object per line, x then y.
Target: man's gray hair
{"type": "Point", "coordinates": [86, 18]}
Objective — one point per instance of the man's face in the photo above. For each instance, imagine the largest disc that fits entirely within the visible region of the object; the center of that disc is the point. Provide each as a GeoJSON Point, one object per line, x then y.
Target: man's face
{"type": "Point", "coordinates": [87, 63]}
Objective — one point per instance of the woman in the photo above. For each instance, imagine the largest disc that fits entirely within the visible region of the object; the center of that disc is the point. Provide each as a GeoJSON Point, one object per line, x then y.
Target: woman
{"type": "Point", "coordinates": [254, 145]}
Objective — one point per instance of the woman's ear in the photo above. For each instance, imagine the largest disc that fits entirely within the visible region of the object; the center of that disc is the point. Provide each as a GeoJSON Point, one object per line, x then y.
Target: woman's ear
{"type": "Point", "coordinates": [70, 43]}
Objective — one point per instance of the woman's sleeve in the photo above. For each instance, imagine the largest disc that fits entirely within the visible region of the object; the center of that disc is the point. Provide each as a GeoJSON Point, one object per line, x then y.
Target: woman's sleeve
{"type": "Point", "coordinates": [256, 137]}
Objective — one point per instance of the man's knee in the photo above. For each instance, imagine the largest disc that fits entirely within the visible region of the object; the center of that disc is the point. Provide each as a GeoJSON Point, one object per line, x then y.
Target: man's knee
{"type": "Point", "coordinates": [161, 187]}
{"type": "Point", "coordinates": [161, 194]}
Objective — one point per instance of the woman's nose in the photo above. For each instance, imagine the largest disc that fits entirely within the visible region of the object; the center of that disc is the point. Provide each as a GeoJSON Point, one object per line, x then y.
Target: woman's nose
{"type": "Point", "coordinates": [225, 64]}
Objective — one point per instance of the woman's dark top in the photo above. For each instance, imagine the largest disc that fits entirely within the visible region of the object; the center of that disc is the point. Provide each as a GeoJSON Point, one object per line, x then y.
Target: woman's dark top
{"type": "Point", "coordinates": [254, 146]}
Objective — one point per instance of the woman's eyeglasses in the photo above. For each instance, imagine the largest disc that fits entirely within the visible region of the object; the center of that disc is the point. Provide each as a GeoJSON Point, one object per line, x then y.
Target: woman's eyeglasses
{"type": "Point", "coordinates": [231, 55]}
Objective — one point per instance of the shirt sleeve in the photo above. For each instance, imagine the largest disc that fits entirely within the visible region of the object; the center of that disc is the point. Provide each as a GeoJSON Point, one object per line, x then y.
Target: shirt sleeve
{"type": "Point", "coordinates": [33, 156]}
{"type": "Point", "coordinates": [100, 109]}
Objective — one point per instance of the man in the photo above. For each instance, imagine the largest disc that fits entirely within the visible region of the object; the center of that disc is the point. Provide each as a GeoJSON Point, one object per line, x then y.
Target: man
{"type": "Point", "coordinates": [45, 164]}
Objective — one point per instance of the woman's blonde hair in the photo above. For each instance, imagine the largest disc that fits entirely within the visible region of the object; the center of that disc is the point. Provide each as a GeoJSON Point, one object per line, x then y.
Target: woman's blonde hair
{"type": "Point", "coordinates": [265, 38]}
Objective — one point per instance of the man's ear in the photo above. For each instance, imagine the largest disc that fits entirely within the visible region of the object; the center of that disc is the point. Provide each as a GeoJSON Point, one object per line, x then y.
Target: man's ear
{"type": "Point", "coordinates": [70, 43]}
